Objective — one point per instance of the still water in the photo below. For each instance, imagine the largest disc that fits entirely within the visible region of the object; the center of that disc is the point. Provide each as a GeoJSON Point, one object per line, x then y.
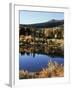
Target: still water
{"type": "Point", "coordinates": [37, 62]}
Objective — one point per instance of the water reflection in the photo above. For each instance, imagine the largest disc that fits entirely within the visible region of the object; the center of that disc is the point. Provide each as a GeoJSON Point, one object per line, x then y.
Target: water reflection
{"type": "Point", "coordinates": [34, 58]}
{"type": "Point", "coordinates": [53, 51]}
{"type": "Point", "coordinates": [36, 62]}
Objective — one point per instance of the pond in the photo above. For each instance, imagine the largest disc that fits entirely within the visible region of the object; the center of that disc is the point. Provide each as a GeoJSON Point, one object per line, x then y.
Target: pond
{"type": "Point", "coordinates": [36, 62]}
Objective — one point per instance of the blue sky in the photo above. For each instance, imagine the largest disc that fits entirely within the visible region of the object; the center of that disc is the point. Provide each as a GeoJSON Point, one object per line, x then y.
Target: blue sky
{"type": "Point", "coordinates": [31, 17]}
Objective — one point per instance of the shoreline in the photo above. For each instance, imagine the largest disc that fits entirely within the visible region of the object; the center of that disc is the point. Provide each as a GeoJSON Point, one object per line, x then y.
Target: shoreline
{"type": "Point", "coordinates": [53, 70]}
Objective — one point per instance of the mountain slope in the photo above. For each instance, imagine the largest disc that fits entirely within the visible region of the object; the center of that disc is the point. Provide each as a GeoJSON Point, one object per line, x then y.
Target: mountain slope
{"type": "Point", "coordinates": [51, 23]}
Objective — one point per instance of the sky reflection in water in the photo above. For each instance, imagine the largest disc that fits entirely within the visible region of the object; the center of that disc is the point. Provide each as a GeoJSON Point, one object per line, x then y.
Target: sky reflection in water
{"type": "Point", "coordinates": [36, 63]}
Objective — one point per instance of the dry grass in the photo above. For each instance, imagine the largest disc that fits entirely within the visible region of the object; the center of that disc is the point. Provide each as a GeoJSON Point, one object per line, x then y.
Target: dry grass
{"type": "Point", "coordinates": [53, 70]}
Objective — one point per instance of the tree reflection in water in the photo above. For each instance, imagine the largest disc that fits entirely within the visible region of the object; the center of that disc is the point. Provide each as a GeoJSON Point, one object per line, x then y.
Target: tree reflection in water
{"type": "Point", "coordinates": [51, 50]}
